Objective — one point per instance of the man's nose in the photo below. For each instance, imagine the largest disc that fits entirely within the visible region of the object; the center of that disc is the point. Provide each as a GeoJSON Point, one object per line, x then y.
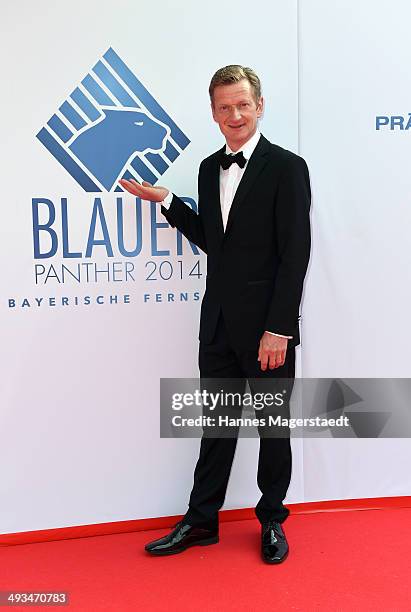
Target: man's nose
{"type": "Point", "coordinates": [236, 115]}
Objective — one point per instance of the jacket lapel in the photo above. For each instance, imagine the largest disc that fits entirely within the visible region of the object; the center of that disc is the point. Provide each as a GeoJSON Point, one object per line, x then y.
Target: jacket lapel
{"type": "Point", "coordinates": [254, 166]}
{"type": "Point", "coordinates": [213, 182]}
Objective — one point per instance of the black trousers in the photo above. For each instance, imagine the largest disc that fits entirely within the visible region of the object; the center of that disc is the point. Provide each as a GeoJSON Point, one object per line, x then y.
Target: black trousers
{"type": "Point", "coordinates": [220, 359]}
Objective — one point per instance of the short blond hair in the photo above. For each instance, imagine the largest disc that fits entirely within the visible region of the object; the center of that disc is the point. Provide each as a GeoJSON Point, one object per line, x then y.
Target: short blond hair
{"type": "Point", "coordinates": [233, 74]}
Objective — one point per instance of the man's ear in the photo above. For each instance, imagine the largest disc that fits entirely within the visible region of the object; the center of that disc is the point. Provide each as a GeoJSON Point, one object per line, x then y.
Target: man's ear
{"type": "Point", "coordinates": [213, 112]}
{"type": "Point", "coordinates": [260, 107]}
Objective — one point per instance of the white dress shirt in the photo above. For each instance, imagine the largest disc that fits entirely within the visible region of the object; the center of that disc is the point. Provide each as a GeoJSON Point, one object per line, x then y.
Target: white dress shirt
{"type": "Point", "coordinates": [229, 181]}
{"type": "Point", "coordinates": [230, 178]}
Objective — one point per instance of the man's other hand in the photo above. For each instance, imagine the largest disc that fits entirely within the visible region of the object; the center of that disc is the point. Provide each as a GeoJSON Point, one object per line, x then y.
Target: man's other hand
{"type": "Point", "coordinates": [272, 351]}
{"type": "Point", "coordinates": [145, 191]}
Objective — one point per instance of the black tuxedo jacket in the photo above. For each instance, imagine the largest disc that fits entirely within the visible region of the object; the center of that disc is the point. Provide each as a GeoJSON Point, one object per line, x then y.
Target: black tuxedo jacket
{"type": "Point", "coordinates": [256, 268]}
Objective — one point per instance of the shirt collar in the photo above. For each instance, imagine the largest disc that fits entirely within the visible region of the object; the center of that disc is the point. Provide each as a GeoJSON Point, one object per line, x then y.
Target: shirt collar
{"type": "Point", "coordinates": [248, 147]}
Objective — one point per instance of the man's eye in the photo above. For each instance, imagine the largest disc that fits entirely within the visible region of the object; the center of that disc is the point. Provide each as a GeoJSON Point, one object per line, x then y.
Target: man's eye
{"type": "Point", "coordinates": [244, 105]}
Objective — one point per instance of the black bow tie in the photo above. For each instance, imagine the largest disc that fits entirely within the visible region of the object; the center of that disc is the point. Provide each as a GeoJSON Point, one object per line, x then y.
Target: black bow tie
{"type": "Point", "coordinates": [227, 160]}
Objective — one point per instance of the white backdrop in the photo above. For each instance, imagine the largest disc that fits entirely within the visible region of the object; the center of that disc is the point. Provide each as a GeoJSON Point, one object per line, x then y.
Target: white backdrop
{"type": "Point", "coordinates": [80, 384]}
{"type": "Point", "coordinates": [357, 290]}
{"type": "Point", "coordinates": [80, 391]}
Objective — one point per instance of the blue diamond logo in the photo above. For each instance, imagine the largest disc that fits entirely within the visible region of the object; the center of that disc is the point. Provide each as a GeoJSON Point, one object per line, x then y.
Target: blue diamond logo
{"type": "Point", "coordinates": [110, 127]}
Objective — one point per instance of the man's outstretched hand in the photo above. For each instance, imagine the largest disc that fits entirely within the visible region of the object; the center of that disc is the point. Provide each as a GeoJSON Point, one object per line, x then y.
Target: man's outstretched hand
{"type": "Point", "coordinates": [272, 351]}
{"type": "Point", "coordinates": [145, 191]}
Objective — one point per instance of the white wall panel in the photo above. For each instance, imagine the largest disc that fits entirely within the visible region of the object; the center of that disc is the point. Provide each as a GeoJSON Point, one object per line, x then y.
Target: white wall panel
{"type": "Point", "coordinates": [80, 385]}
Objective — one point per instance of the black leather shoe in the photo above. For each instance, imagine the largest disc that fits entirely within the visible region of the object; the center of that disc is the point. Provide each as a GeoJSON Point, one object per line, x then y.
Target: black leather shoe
{"type": "Point", "coordinates": [274, 545]}
{"type": "Point", "coordinates": [181, 537]}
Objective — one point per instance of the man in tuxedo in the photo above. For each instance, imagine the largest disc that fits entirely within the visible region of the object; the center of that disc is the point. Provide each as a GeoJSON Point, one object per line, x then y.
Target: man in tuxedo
{"type": "Point", "coordinates": [253, 224]}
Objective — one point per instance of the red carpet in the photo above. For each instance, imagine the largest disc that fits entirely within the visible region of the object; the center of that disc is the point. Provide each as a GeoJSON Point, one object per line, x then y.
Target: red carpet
{"type": "Point", "coordinates": [339, 561]}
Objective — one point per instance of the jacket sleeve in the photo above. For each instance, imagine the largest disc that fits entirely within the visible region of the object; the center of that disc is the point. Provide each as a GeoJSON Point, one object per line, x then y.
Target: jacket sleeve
{"type": "Point", "coordinates": [190, 224]}
{"type": "Point", "coordinates": [294, 243]}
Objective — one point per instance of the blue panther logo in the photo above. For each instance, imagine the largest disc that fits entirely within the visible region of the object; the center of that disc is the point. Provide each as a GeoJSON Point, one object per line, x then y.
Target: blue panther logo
{"type": "Point", "coordinates": [111, 127]}
{"type": "Point", "coordinates": [107, 146]}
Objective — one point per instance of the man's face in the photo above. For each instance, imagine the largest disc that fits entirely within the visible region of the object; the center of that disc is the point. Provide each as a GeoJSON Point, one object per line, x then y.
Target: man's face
{"type": "Point", "coordinates": [236, 112]}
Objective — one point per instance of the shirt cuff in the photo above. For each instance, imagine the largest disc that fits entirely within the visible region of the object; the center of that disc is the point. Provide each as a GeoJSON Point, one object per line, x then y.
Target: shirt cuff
{"type": "Point", "coordinates": [167, 200]}
{"type": "Point", "coordinates": [279, 335]}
